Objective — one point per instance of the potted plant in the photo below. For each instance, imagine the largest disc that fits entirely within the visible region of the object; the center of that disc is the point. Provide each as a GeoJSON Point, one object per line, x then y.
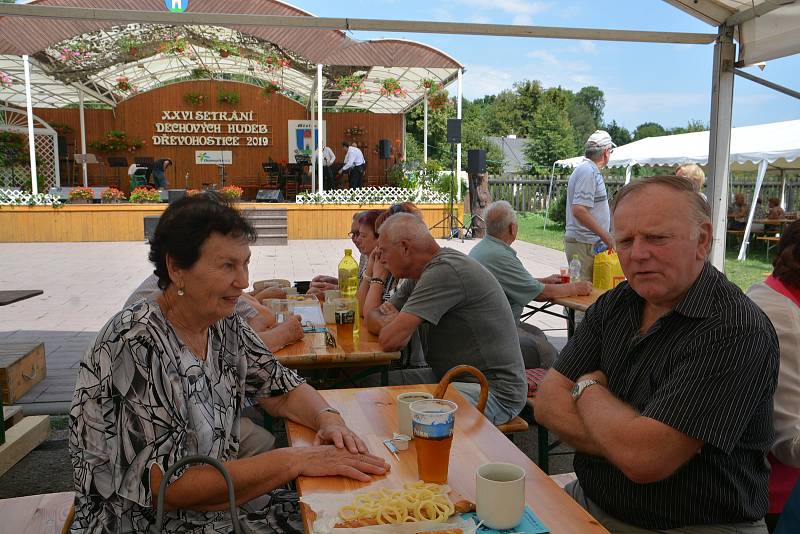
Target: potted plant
{"type": "Point", "coordinates": [129, 45]}
{"type": "Point", "coordinates": [145, 195]}
{"type": "Point", "coordinates": [225, 49]}
{"type": "Point", "coordinates": [227, 97]}
{"type": "Point", "coordinates": [112, 195]}
{"type": "Point", "coordinates": [231, 192]}
{"type": "Point", "coordinates": [75, 53]}
{"type": "Point", "coordinates": [270, 88]}
{"type": "Point", "coordinates": [194, 98]}
{"type": "Point", "coordinates": [355, 131]}
{"type": "Point", "coordinates": [177, 46]}
{"type": "Point", "coordinates": [81, 195]}
{"type": "Point", "coordinates": [13, 150]}
{"type": "Point", "coordinates": [5, 80]}
{"type": "Point", "coordinates": [273, 61]}
{"type": "Point", "coordinates": [353, 83]}
{"type": "Point", "coordinates": [438, 100]}
{"type": "Point", "coordinates": [391, 87]}
{"type": "Point", "coordinates": [116, 141]}
{"type": "Point", "coordinates": [429, 84]}
{"type": "Point", "coordinates": [124, 84]}
{"type": "Point", "coordinates": [200, 73]}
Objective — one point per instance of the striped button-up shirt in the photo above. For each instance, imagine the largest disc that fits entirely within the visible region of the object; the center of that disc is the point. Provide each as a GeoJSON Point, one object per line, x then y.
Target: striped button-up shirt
{"type": "Point", "coordinates": [708, 368]}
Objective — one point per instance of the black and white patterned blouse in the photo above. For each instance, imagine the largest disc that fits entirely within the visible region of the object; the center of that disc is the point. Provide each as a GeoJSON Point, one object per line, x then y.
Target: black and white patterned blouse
{"type": "Point", "coordinates": [143, 398]}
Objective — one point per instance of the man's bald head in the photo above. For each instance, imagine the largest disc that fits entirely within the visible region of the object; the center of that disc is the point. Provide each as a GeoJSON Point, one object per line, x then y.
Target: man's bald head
{"type": "Point", "coordinates": [406, 245]}
{"type": "Point", "coordinates": [499, 218]}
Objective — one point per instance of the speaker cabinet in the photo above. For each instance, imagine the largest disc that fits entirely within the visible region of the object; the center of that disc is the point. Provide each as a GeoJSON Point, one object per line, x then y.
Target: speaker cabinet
{"type": "Point", "coordinates": [454, 131]}
{"type": "Point", "coordinates": [476, 161]}
{"type": "Point", "coordinates": [269, 195]}
{"type": "Point", "coordinates": [62, 147]}
{"type": "Point", "coordinates": [385, 149]}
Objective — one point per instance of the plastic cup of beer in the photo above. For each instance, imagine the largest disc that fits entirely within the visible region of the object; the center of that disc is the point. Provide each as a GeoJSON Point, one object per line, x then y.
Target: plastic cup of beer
{"type": "Point", "coordinates": [564, 274]}
{"type": "Point", "coordinates": [432, 422]}
{"type": "Point", "coordinates": [404, 400]}
{"type": "Point", "coordinates": [345, 315]}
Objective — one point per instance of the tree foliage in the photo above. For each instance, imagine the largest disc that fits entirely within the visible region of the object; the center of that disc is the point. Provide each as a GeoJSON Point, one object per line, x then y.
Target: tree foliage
{"type": "Point", "coordinates": [553, 137]}
{"type": "Point", "coordinates": [648, 129]}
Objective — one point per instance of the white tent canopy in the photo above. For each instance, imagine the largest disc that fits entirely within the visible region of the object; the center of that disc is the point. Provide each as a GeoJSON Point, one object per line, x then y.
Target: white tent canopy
{"type": "Point", "coordinates": [777, 143]}
{"type": "Point", "coordinates": [754, 148]}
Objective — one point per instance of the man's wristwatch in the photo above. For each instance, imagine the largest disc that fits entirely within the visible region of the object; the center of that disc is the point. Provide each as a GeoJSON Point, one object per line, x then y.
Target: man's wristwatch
{"type": "Point", "coordinates": [578, 388]}
{"type": "Point", "coordinates": [328, 410]}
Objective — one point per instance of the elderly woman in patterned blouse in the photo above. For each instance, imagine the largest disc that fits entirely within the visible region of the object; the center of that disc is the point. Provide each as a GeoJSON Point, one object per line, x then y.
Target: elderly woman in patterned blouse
{"type": "Point", "coordinates": [168, 378]}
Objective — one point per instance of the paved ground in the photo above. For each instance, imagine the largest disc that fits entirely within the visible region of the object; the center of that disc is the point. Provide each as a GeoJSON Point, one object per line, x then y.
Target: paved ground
{"type": "Point", "coordinates": [86, 283]}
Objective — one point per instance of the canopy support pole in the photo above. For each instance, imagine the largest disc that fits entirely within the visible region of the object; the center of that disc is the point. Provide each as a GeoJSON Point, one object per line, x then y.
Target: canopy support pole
{"type": "Point", "coordinates": [783, 189]}
{"type": "Point", "coordinates": [458, 146]}
{"type": "Point", "coordinates": [720, 141]}
{"type": "Point", "coordinates": [322, 138]}
{"type": "Point", "coordinates": [425, 129]}
{"type": "Point", "coordinates": [628, 170]}
{"type": "Point", "coordinates": [83, 139]}
{"type": "Point", "coordinates": [312, 101]}
{"type": "Point", "coordinates": [762, 170]}
{"type": "Point", "coordinates": [31, 138]}
{"type": "Point", "coordinates": [549, 194]}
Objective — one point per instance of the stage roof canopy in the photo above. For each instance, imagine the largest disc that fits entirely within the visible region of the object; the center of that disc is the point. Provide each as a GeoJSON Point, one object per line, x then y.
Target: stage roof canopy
{"type": "Point", "coordinates": [95, 56]}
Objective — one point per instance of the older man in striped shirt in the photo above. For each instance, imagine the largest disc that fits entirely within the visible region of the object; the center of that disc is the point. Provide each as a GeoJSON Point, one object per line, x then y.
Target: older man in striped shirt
{"type": "Point", "coordinates": [665, 390]}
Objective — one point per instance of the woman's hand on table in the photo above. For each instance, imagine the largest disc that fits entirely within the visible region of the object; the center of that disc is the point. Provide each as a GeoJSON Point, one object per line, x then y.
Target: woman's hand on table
{"type": "Point", "coordinates": [331, 429]}
{"type": "Point", "coordinates": [328, 460]}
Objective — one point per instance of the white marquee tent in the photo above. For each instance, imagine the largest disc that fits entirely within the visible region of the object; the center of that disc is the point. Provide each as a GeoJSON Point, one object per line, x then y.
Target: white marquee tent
{"type": "Point", "coordinates": [774, 146]}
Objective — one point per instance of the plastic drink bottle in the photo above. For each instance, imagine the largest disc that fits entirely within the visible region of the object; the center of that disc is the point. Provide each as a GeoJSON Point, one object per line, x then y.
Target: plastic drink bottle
{"type": "Point", "coordinates": [575, 268]}
{"type": "Point", "coordinates": [348, 286]}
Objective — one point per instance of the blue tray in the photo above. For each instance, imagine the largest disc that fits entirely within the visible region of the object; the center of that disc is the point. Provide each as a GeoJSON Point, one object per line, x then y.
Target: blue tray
{"type": "Point", "coordinates": [530, 524]}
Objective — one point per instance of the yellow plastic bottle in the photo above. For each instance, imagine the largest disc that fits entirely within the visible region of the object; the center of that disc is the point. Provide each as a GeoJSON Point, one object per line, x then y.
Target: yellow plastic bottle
{"type": "Point", "coordinates": [348, 285]}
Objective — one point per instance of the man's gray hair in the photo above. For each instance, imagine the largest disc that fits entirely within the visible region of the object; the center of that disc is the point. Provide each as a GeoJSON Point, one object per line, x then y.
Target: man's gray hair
{"type": "Point", "coordinates": [595, 153]}
{"type": "Point", "coordinates": [405, 226]}
{"type": "Point", "coordinates": [499, 215]}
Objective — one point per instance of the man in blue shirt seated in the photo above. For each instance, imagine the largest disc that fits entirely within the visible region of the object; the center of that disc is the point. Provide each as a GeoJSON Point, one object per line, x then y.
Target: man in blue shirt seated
{"type": "Point", "coordinates": [495, 253]}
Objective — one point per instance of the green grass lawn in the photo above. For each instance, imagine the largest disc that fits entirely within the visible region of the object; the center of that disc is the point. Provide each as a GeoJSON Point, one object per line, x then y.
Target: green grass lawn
{"type": "Point", "coordinates": [742, 273]}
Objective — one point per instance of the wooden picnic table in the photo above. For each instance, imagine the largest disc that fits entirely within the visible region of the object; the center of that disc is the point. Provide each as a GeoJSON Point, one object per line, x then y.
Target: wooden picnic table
{"type": "Point", "coordinates": [312, 352]}
{"type": "Point", "coordinates": [372, 414]}
{"type": "Point", "coordinates": [16, 295]}
{"type": "Point", "coordinates": [571, 304]}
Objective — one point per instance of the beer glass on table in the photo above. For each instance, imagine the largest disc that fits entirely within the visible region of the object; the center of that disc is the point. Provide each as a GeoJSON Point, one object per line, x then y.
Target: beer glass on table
{"type": "Point", "coordinates": [432, 422]}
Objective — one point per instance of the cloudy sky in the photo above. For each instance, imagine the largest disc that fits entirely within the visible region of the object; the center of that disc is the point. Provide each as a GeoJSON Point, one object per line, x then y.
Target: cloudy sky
{"type": "Point", "coordinates": [668, 84]}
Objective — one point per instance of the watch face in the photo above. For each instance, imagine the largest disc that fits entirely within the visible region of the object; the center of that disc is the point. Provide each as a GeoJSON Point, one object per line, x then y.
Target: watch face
{"type": "Point", "coordinates": [575, 389]}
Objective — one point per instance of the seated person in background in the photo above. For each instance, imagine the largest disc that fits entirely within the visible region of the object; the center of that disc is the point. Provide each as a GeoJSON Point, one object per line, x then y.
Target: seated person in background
{"type": "Point", "coordinates": [168, 378]}
{"type": "Point", "coordinates": [779, 297]}
{"type": "Point", "coordinates": [274, 335]}
{"type": "Point", "coordinates": [495, 253]}
{"type": "Point", "coordinates": [695, 173]}
{"type": "Point", "coordinates": [468, 316]}
{"type": "Point", "coordinates": [665, 390]}
{"type": "Point", "coordinates": [775, 210]}
{"type": "Point", "coordinates": [737, 214]}
{"type": "Point", "coordinates": [382, 285]}
{"type": "Point", "coordinates": [322, 283]}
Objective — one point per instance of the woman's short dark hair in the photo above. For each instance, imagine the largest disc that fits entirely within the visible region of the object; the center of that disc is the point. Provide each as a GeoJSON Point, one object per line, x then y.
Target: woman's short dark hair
{"type": "Point", "coordinates": [403, 207]}
{"type": "Point", "coordinates": [186, 224]}
{"type": "Point", "coordinates": [787, 262]}
{"type": "Point", "coordinates": [369, 217]}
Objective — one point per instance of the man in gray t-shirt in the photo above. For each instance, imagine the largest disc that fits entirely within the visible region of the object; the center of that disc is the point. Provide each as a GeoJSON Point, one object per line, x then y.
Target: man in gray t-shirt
{"type": "Point", "coordinates": [468, 316]}
{"type": "Point", "coordinates": [588, 214]}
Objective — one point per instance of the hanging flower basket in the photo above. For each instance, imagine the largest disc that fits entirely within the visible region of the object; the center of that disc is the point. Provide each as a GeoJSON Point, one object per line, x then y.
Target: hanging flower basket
{"type": "Point", "coordinates": [175, 47]}
{"type": "Point", "coordinates": [81, 195]}
{"type": "Point", "coordinates": [270, 88]}
{"type": "Point", "coordinates": [116, 141]}
{"type": "Point", "coordinates": [353, 83]}
{"type": "Point", "coordinates": [231, 192]}
{"type": "Point", "coordinates": [355, 131]}
{"type": "Point", "coordinates": [5, 80]}
{"type": "Point", "coordinates": [129, 46]}
{"type": "Point", "coordinates": [123, 84]}
{"type": "Point", "coordinates": [194, 98]}
{"type": "Point", "coordinates": [226, 49]}
{"type": "Point", "coordinates": [228, 97]}
{"type": "Point", "coordinates": [273, 61]}
{"type": "Point", "coordinates": [438, 100]}
{"type": "Point", "coordinates": [391, 87]}
{"type": "Point", "coordinates": [430, 85]}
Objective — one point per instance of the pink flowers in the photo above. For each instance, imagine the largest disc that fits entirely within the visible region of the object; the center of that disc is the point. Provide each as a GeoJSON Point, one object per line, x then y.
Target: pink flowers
{"type": "Point", "coordinates": [76, 54]}
{"type": "Point", "coordinates": [5, 80]}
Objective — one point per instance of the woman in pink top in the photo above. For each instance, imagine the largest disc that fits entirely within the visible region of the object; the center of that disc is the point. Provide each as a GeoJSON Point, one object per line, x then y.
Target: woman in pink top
{"type": "Point", "coordinates": [779, 297]}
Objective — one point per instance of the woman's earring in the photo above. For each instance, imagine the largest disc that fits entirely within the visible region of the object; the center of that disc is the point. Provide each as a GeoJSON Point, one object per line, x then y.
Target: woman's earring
{"type": "Point", "coordinates": [181, 292]}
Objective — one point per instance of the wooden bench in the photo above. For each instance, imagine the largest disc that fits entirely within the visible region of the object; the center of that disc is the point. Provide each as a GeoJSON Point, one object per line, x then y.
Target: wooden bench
{"type": "Point", "coordinates": [42, 514]}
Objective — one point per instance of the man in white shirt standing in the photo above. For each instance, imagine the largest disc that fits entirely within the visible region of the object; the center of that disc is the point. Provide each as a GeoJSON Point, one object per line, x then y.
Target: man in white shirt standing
{"type": "Point", "coordinates": [355, 163]}
{"type": "Point", "coordinates": [328, 159]}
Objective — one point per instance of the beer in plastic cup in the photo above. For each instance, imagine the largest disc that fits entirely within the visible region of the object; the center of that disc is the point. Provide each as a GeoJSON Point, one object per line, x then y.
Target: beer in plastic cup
{"type": "Point", "coordinates": [432, 424]}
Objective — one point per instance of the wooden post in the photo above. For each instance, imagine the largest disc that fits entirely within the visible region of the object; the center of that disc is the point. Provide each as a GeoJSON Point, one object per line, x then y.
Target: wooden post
{"type": "Point", "coordinates": [479, 198]}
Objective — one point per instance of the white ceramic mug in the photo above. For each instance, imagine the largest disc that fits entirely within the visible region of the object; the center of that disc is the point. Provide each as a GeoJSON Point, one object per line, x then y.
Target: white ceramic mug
{"type": "Point", "coordinates": [500, 495]}
{"type": "Point", "coordinates": [404, 414]}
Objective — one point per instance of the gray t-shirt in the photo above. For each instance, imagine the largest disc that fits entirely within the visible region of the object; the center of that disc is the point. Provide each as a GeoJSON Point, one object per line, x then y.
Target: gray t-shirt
{"type": "Point", "coordinates": [586, 187]}
{"type": "Point", "coordinates": [470, 322]}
